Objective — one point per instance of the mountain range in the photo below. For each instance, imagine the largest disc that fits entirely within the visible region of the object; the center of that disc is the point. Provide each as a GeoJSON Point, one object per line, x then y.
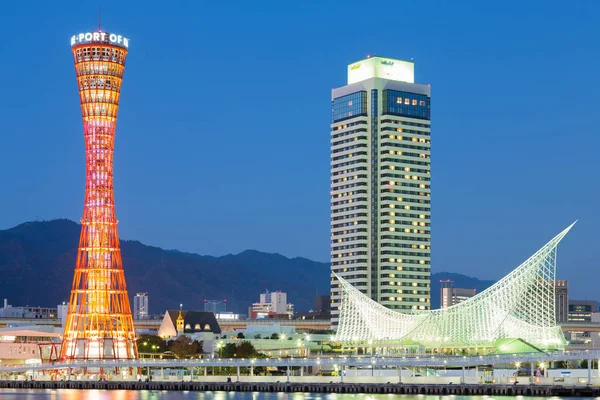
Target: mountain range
{"type": "Point", "coordinates": [37, 261]}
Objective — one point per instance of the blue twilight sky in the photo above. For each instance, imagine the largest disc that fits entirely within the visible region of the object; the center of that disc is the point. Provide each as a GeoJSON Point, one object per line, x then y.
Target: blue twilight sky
{"type": "Point", "coordinates": [223, 135]}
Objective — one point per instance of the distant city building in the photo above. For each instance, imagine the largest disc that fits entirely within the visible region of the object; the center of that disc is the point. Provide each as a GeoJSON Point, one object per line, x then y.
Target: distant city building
{"type": "Point", "coordinates": [228, 316]}
{"type": "Point", "coordinates": [320, 315]}
{"type": "Point", "coordinates": [582, 310]}
{"type": "Point", "coordinates": [9, 311]}
{"type": "Point", "coordinates": [215, 306]}
{"type": "Point", "coordinates": [380, 185]}
{"type": "Point", "coordinates": [196, 324]}
{"type": "Point", "coordinates": [322, 303]}
{"type": "Point", "coordinates": [561, 301]}
{"type": "Point", "coordinates": [272, 304]}
{"type": "Point", "coordinates": [450, 295]}
{"type": "Point", "coordinates": [140, 306]}
{"type": "Point", "coordinates": [62, 313]}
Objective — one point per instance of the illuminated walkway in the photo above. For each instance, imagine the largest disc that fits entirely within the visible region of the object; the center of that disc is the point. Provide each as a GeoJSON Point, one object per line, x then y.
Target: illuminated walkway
{"type": "Point", "coordinates": [429, 361]}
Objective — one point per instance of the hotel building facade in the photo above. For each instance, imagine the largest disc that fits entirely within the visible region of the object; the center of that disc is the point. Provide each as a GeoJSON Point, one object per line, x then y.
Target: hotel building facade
{"type": "Point", "coordinates": [380, 185]}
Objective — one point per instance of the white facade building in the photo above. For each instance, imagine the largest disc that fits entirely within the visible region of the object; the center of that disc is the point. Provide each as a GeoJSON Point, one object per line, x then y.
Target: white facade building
{"type": "Point", "coordinates": [140, 306]}
{"type": "Point", "coordinates": [272, 303]}
{"type": "Point", "coordinates": [380, 185]}
{"type": "Point", "coordinates": [62, 310]}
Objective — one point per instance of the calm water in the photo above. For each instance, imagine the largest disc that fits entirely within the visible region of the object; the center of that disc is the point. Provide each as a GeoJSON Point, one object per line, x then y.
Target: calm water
{"type": "Point", "coordinates": [72, 394]}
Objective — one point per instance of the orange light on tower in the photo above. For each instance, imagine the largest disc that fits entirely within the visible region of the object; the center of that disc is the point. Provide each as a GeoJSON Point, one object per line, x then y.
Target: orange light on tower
{"type": "Point", "coordinates": [99, 324]}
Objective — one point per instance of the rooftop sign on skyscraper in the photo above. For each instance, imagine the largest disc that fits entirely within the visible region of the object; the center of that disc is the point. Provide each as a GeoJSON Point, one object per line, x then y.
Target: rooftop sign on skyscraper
{"type": "Point", "coordinates": [379, 67]}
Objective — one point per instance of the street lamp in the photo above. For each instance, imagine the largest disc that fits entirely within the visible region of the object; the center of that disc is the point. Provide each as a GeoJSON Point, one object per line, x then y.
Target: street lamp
{"type": "Point", "coordinates": [282, 337]}
{"type": "Point", "coordinates": [220, 346]}
{"type": "Point", "coordinates": [154, 347]}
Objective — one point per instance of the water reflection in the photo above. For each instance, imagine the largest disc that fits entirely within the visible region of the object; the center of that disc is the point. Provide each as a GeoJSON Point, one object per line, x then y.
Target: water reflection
{"type": "Point", "coordinates": [95, 394]}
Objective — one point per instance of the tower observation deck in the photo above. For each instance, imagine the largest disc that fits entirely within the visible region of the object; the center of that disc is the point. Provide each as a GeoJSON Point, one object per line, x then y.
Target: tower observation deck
{"type": "Point", "coordinates": [99, 324]}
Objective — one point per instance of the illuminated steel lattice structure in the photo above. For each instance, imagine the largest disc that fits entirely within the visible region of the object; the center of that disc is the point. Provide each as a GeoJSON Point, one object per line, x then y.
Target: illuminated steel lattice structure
{"type": "Point", "coordinates": [99, 324]}
{"type": "Point", "coordinates": [519, 306]}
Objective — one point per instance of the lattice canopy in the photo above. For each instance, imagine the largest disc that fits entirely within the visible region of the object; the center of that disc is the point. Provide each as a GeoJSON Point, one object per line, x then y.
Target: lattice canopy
{"type": "Point", "coordinates": [519, 306]}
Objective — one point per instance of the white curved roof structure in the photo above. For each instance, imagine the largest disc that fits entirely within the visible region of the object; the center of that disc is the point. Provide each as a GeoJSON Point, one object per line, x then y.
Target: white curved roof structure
{"type": "Point", "coordinates": [519, 306]}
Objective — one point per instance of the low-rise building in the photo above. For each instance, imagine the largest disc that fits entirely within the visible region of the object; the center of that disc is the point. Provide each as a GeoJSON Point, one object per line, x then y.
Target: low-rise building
{"type": "Point", "coordinates": [199, 325]}
{"type": "Point", "coordinates": [8, 311]}
{"type": "Point", "coordinates": [582, 310]}
{"type": "Point", "coordinates": [272, 304]}
{"type": "Point", "coordinates": [29, 344]}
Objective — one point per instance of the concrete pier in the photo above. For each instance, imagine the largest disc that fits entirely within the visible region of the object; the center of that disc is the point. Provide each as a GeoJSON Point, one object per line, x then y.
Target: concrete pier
{"type": "Point", "coordinates": [392, 388]}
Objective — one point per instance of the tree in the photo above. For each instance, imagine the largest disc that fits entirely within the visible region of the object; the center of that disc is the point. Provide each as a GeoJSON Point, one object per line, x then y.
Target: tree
{"type": "Point", "coordinates": [145, 344]}
{"type": "Point", "coordinates": [229, 350]}
{"type": "Point", "coordinates": [584, 364]}
{"type": "Point", "coordinates": [199, 346]}
{"type": "Point", "coordinates": [257, 336]}
{"type": "Point", "coordinates": [183, 347]}
{"type": "Point", "coordinates": [240, 336]}
{"type": "Point", "coordinates": [275, 336]}
{"type": "Point", "coordinates": [246, 350]}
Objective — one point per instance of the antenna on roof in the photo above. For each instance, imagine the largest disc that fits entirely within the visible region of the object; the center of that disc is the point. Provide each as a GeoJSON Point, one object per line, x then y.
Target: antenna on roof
{"type": "Point", "coordinates": [99, 27]}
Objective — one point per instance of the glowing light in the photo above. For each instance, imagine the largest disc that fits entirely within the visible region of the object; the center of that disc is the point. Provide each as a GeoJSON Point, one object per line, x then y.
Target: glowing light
{"type": "Point", "coordinates": [99, 324]}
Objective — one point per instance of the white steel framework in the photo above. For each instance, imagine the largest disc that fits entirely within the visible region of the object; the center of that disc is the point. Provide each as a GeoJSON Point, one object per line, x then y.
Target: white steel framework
{"type": "Point", "coordinates": [519, 306]}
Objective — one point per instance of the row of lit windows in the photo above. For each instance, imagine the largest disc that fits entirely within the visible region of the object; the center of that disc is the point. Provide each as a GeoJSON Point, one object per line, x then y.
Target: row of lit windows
{"type": "Point", "coordinates": [350, 231]}
{"type": "Point", "coordinates": [352, 208]}
{"type": "Point", "coordinates": [349, 171]}
{"type": "Point", "coordinates": [349, 247]}
{"type": "Point", "coordinates": [405, 123]}
{"type": "Point", "coordinates": [350, 155]}
{"type": "Point", "coordinates": [405, 138]}
{"type": "Point", "coordinates": [402, 222]}
{"type": "Point", "coordinates": [404, 200]}
{"type": "Point", "coordinates": [405, 230]}
{"type": "Point", "coordinates": [410, 193]}
{"type": "Point", "coordinates": [356, 146]}
{"type": "Point", "coordinates": [407, 246]}
{"type": "Point", "coordinates": [405, 299]}
{"type": "Point", "coordinates": [349, 178]}
{"type": "Point", "coordinates": [403, 183]}
{"type": "Point", "coordinates": [406, 108]}
{"type": "Point", "coordinates": [405, 268]}
{"type": "Point", "coordinates": [348, 216]}
{"type": "Point", "coordinates": [348, 163]}
{"type": "Point", "coordinates": [344, 141]}
{"type": "Point", "coordinates": [101, 82]}
{"type": "Point", "coordinates": [97, 53]}
{"type": "Point", "coordinates": [403, 215]}
{"type": "Point", "coordinates": [349, 201]}
{"type": "Point", "coordinates": [405, 238]}
{"type": "Point", "coordinates": [405, 207]}
{"type": "Point", "coordinates": [416, 177]}
{"type": "Point", "coordinates": [404, 153]}
{"type": "Point", "coordinates": [348, 136]}
{"type": "Point", "coordinates": [403, 260]}
{"type": "Point", "coordinates": [349, 239]}
{"type": "Point", "coordinates": [101, 68]}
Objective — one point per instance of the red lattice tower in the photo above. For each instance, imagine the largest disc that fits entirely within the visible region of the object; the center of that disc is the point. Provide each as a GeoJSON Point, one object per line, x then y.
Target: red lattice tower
{"type": "Point", "coordinates": [99, 324]}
